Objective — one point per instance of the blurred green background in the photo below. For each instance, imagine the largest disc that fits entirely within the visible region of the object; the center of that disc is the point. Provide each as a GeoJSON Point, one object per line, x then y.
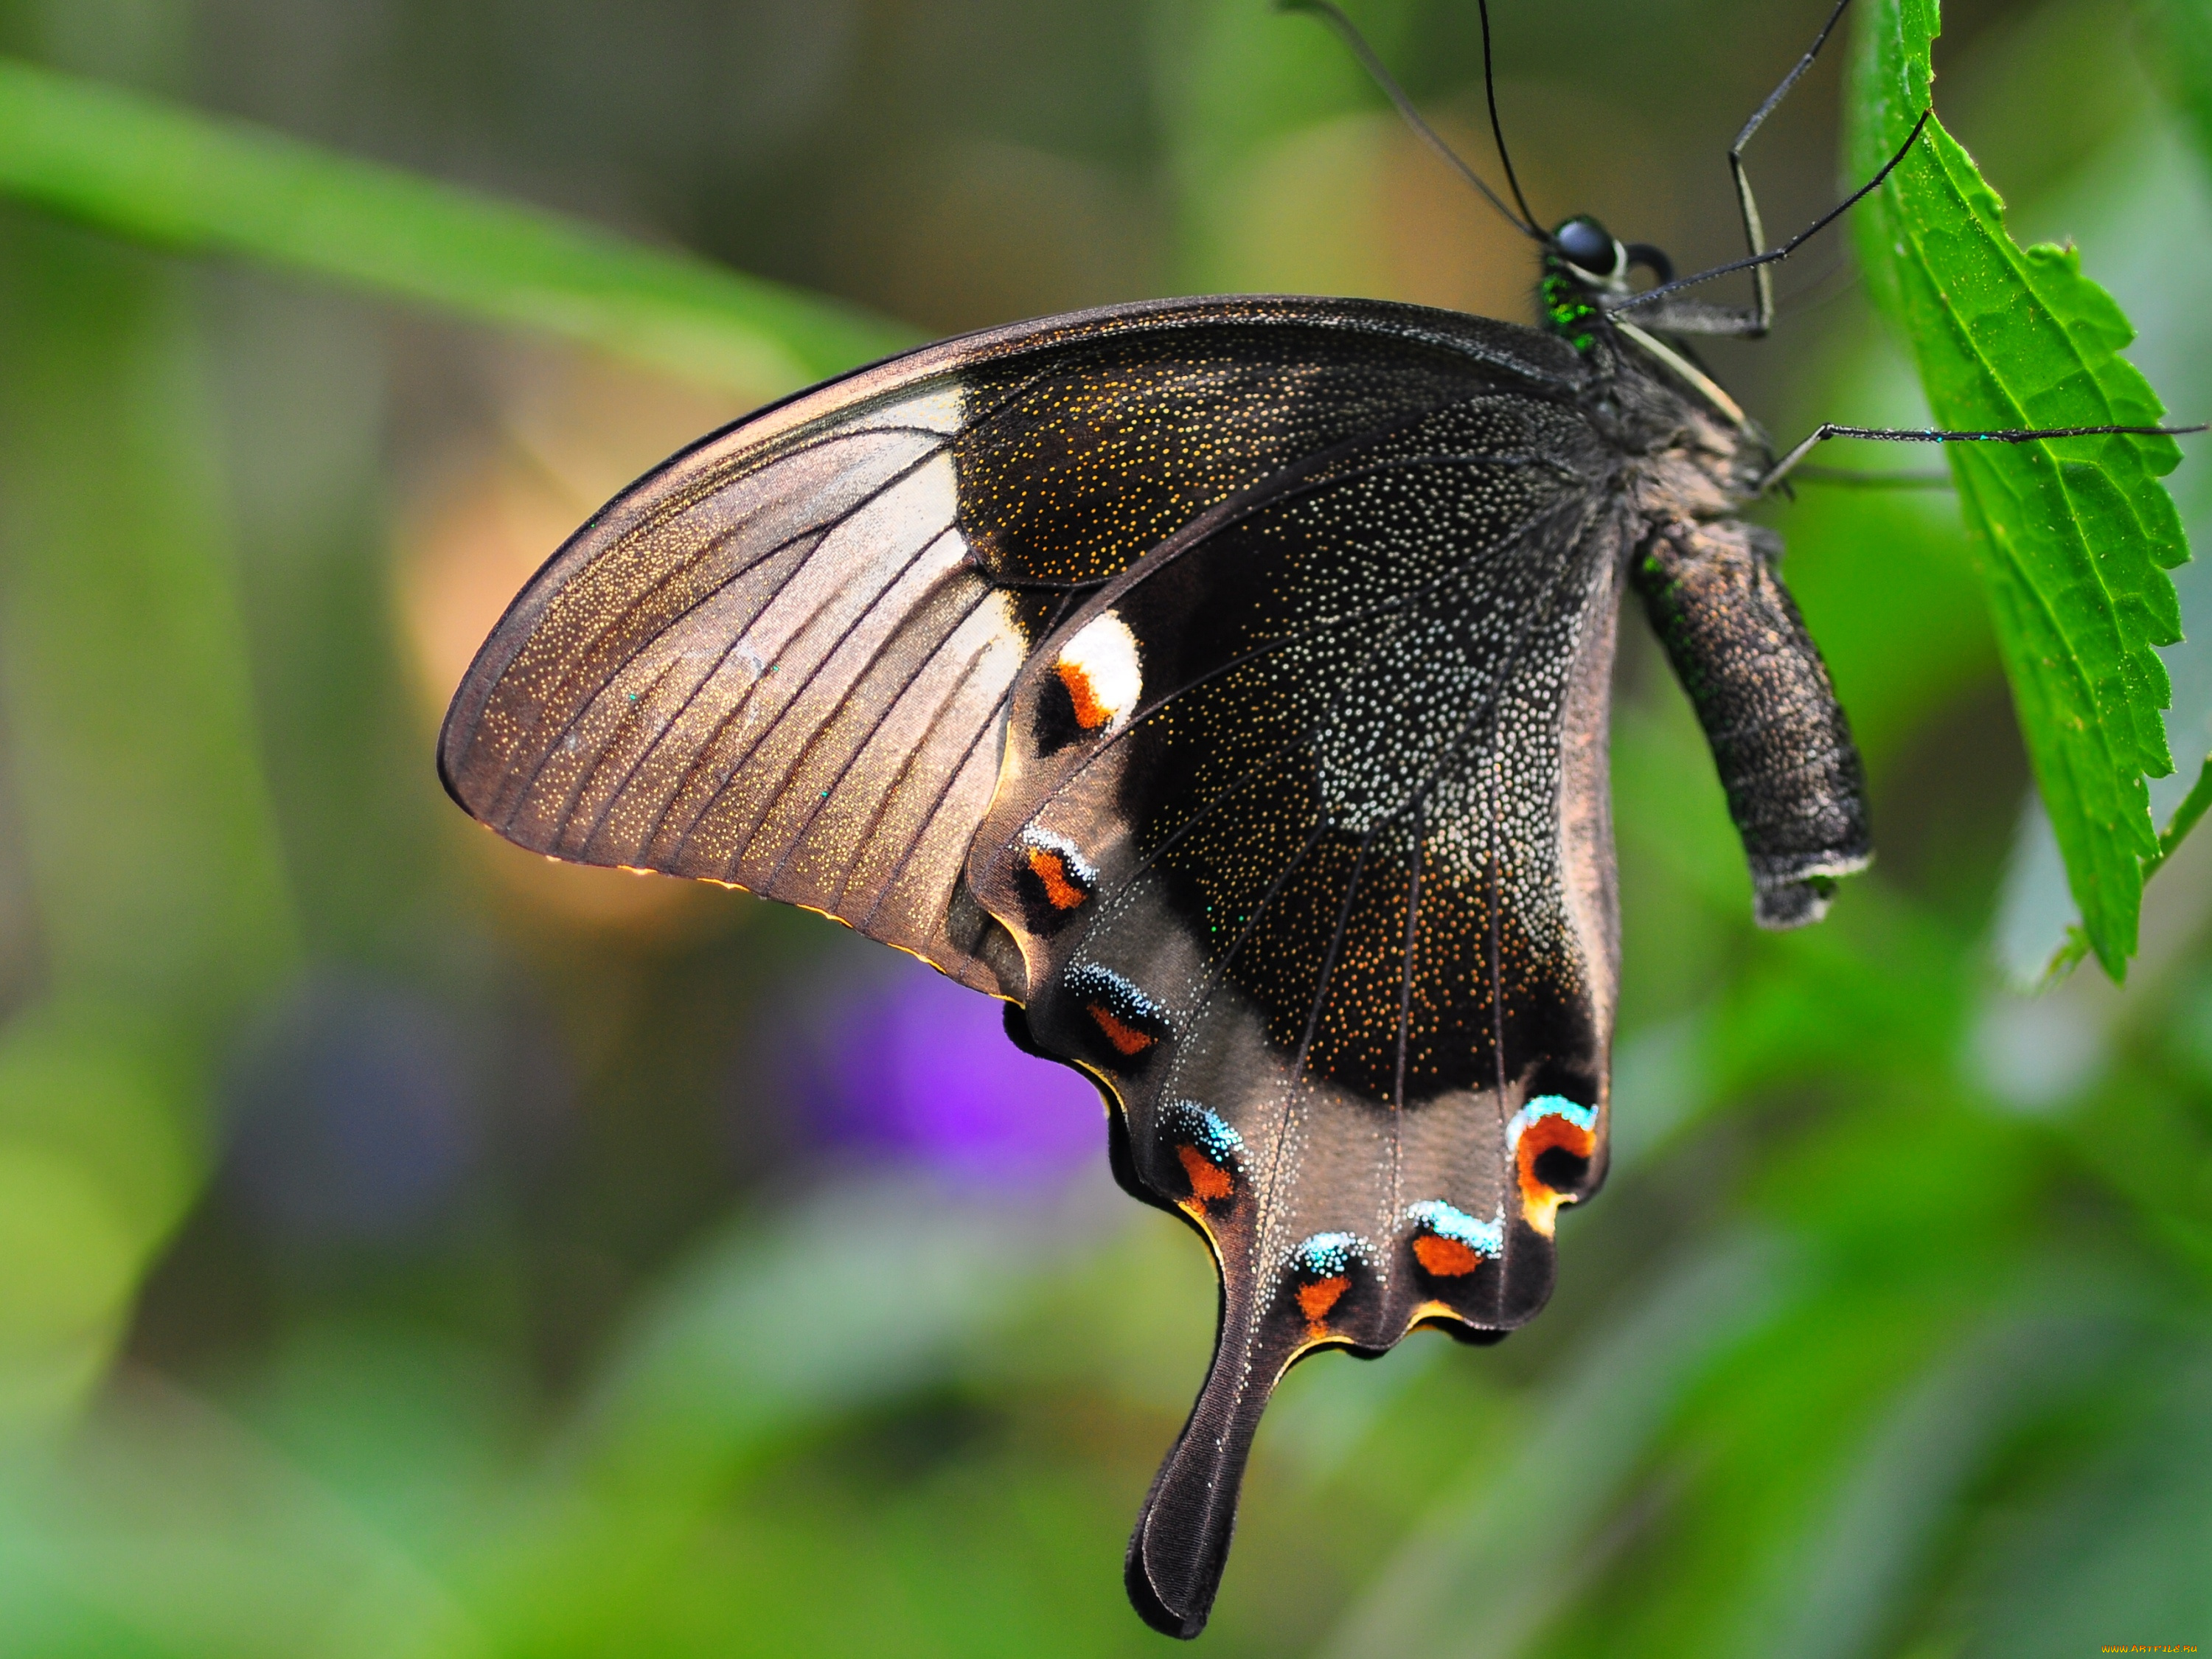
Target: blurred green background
{"type": "Point", "coordinates": [411, 1248]}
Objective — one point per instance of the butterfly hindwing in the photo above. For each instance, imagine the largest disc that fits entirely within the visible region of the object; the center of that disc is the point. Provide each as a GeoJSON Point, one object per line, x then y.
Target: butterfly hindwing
{"type": "Point", "coordinates": [1301, 831]}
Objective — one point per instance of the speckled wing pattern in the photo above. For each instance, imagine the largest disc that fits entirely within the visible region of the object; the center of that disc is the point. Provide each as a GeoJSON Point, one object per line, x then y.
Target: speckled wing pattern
{"type": "Point", "coordinates": [1224, 682]}
{"type": "Point", "coordinates": [1302, 831]}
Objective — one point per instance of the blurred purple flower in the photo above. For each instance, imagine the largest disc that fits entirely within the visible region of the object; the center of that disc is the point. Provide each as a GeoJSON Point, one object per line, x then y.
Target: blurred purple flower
{"type": "Point", "coordinates": [353, 1118]}
{"type": "Point", "coordinates": [916, 1069]}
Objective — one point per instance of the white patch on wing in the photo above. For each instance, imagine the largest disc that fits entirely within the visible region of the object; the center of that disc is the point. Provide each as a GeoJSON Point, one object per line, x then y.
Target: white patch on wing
{"type": "Point", "coordinates": [942, 407]}
{"type": "Point", "coordinates": [1103, 673]}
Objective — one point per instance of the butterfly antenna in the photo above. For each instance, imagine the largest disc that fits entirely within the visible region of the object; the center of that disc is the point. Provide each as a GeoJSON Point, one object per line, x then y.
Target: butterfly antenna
{"type": "Point", "coordinates": [1497, 129]}
{"type": "Point", "coordinates": [1374, 66]}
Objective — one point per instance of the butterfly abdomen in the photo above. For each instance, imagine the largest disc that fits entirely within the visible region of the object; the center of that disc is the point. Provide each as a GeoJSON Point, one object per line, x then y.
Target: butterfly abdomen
{"type": "Point", "coordinates": [1781, 742]}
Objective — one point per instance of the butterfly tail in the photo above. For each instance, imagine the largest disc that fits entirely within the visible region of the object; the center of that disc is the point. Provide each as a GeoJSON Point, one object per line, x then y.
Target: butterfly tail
{"type": "Point", "coordinates": [1181, 1538]}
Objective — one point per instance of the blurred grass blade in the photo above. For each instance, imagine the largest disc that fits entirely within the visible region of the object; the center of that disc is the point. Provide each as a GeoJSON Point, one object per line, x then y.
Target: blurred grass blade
{"type": "Point", "coordinates": [156, 869]}
{"type": "Point", "coordinates": [1232, 78]}
{"type": "Point", "coordinates": [1850, 1580]}
{"type": "Point", "coordinates": [2073, 538]}
{"type": "Point", "coordinates": [777, 1329]}
{"type": "Point", "coordinates": [2180, 57]}
{"type": "Point", "coordinates": [148, 170]}
{"type": "Point", "coordinates": [167, 1527]}
{"type": "Point", "coordinates": [2117, 1552]}
{"type": "Point", "coordinates": [1496, 1562]}
{"type": "Point", "coordinates": [696, 1388]}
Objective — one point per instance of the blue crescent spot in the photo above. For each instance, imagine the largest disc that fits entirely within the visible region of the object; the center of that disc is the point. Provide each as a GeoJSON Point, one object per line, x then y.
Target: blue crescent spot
{"type": "Point", "coordinates": [1203, 1129]}
{"type": "Point", "coordinates": [1087, 982]}
{"type": "Point", "coordinates": [1329, 1255]}
{"type": "Point", "coordinates": [1078, 867]}
{"type": "Point", "coordinates": [1543, 1106]}
{"type": "Point", "coordinates": [1447, 1222]}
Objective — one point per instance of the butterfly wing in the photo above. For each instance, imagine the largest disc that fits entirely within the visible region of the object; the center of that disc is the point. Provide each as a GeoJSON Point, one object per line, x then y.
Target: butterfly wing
{"type": "Point", "coordinates": [1223, 680]}
{"type": "Point", "coordinates": [781, 660]}
{"type": "Point", "coordinates": [1302, 834]}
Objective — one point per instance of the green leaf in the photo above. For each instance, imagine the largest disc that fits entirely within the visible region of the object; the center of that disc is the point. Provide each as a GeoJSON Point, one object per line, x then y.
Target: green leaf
{"type": "Point", "coordinates": [2073, 537]}
{"type": "Point", "coordinates": [2193, 807]}
{"type": "Point", "coordinates": [146, 170]}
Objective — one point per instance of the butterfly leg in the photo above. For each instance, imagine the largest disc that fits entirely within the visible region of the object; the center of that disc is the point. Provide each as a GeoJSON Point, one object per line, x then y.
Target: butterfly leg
{"type": "Point", "coordinates": [1754, 233]}
{"type": "Point", "coordinates": [1782, 468]}
{"type": "Point", "coordinates": [1659, 308]}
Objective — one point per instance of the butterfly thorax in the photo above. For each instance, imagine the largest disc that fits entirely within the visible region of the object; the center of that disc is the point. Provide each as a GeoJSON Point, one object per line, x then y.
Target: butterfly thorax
{"type": "Point", "coordinates": [1684, 459]}
{"type": "Point", "coordinates": [1692, 452]}
{"type": "Point", "coordinates": [1584, 264]}
{"type": "Point", "coordinates": [1569, 312]}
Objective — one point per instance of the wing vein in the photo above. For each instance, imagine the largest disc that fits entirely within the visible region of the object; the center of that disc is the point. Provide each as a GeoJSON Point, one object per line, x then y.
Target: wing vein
{"type": "Point", "coordinates": [906, 767]}
{"type": "Point", "coordinates": [844, 770]}
{"type": "Point", "coordinates": [1405, 1028]}
{"type": "Point", "coordinates": [737, 708]}
{"type": "Point", "coordinates": [633, 715]}
{"type": "Point", "coordinates": [951, 776]}
{"type": "Point", "coordinates": [588, 701]}
{"type": "Point", "coordinates": [778, 721]}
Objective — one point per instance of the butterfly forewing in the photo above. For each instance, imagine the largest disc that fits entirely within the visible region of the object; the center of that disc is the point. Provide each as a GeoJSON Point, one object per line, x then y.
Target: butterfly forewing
{"type": "Point", "coordinates": [781, 660]}
{"type": "Point", "coordinates": [770, 664]}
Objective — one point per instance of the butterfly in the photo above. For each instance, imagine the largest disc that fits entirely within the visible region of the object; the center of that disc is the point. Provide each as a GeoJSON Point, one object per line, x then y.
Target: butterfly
{"type": "Point", "coordinates": [1222, 684]}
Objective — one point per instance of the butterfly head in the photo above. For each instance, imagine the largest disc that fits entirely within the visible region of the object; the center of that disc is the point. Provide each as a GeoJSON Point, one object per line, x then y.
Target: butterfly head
{"type": "Point", "coordinates": [1592, 254]}
{"type": "Point", "coordinates": [1585, 266]}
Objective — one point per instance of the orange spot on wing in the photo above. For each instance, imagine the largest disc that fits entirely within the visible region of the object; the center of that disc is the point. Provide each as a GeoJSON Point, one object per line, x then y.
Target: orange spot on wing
{"type": "Point", "coordinates": [1542, 1136]}
{"type": "Point", "coordinates": [1051, 869]}
{"type": "Point", "coordinates": [1126, 1038]}
{"type": "Point", "coordinates": [1314, 1300]}
{"type": "Point", "coordinates": [1089, 712]}
{"type": "Point", "coordinates": [1447, 1258]}
{"type": "Point", "coordinates": [1208, 1180]}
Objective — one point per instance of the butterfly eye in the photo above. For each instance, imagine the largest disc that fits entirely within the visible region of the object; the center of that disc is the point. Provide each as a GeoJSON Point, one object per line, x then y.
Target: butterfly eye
{"type": "Point", "coordinates": [1449, 1243]}
{"type": "Point", "coordinates": [1590, 245]}
{"type": "Point", "coordinates": [1553, 1140]}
